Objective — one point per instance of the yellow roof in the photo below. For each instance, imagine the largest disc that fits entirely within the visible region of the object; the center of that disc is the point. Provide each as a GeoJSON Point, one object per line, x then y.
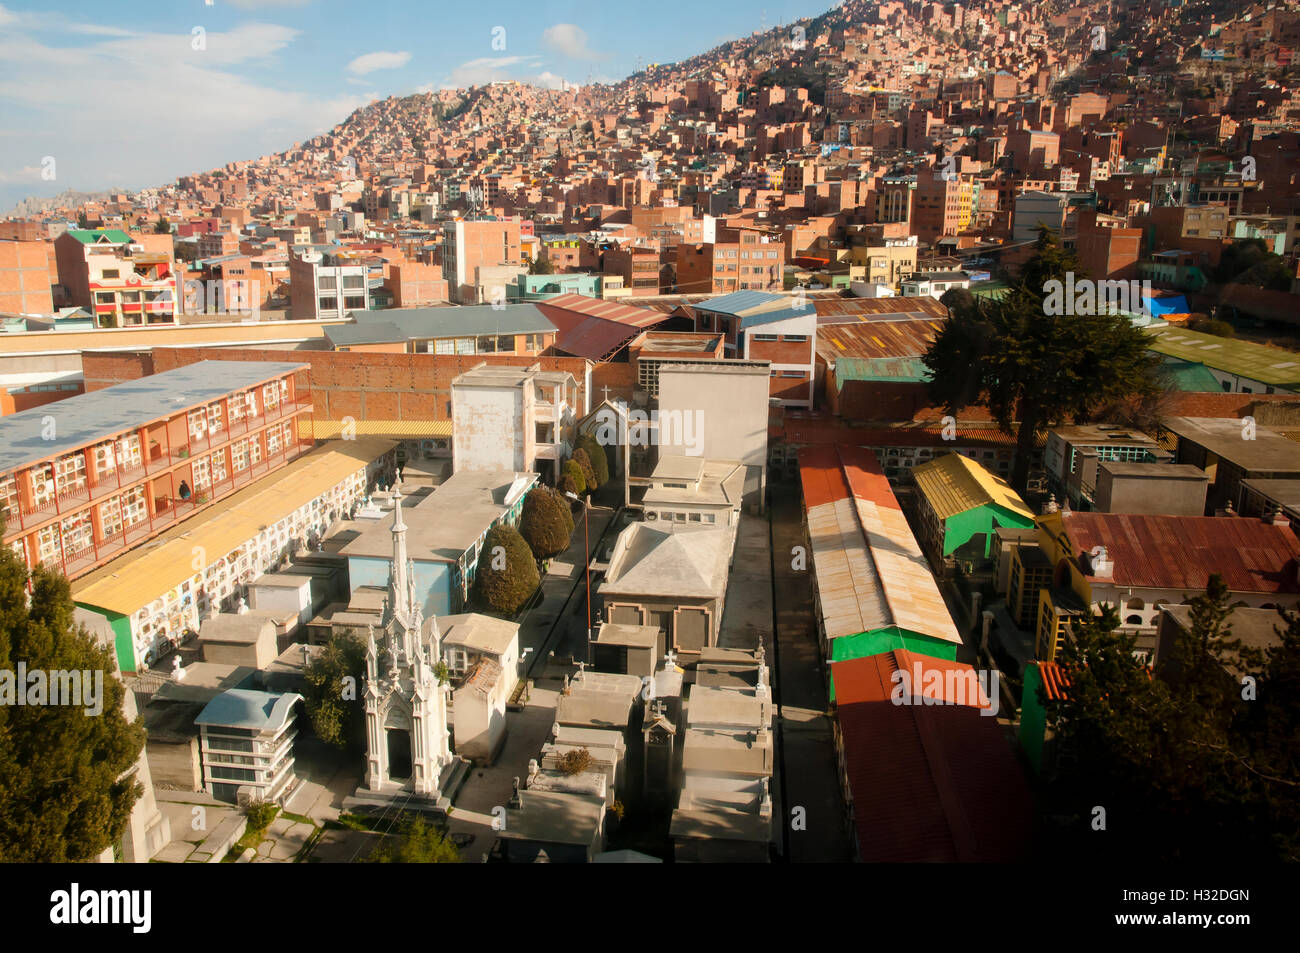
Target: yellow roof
{"type": "Point", "coordinates": [955, 483]}
{"type": "Point", "coordinates": [399, 429]}
{"type": "Point", "coordinates": [139, 577]}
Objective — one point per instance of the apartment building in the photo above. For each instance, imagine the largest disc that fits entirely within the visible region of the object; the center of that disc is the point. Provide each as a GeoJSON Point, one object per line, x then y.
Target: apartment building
{"type": "Point", "coordinates": [87, 478]}
{"type": "Point", "coordinates": [25, 277]}
{"type": "Point", "coordinates": [326, 285]}
{"type": "Point", "coordinates": [471, 245]}
{"type": "Point", "coordinates": [752, 262]}
{"type": "Point", "coordinates": [116, 277]}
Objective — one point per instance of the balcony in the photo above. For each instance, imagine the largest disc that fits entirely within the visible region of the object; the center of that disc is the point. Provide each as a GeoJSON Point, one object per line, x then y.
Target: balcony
{"type": "Point", "coordinates": [168, 510]}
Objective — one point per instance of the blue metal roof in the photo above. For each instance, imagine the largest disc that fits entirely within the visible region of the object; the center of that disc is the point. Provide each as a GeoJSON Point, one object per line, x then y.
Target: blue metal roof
{"type": "Point", "coordinates": [244, 708]}
{"type": "Point", "coordinates": [782, 314]}
{"type": "Point", "coordinates": [738, 301]}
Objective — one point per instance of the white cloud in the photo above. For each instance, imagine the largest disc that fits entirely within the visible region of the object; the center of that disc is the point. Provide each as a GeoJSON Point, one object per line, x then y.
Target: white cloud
{"type": "Point", "coordinates": [380, 59]}
{"type": "Point", "coordinates": [569, 39]}
{"type": "Point", "coordinates": [156, 107]}
{"type": "Point", "coordinates": [487, 69]}
{"type": "Point", "coordinates": [28, 173]}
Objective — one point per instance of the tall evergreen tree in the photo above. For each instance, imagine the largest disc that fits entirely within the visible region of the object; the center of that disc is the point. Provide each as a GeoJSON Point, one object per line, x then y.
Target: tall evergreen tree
{"type": "Point", "coordinates": [63, 797]}
{"type": "Point", "coordinates": [1010, 356]}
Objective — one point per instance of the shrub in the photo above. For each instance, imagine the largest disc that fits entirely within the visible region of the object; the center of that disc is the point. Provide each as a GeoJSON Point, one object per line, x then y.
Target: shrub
{"type": "Point", "coordinates": [575, 762]}
{"type": "Point", "coordinates": [588, 472]}
{"type": "Point", "coordinates": [577, 483]}
{"type": "Point", "coordinates": [546, 523]}
{"type": "Point", "coordinates": [596, 454]}
{"type": "Point", "coordinates": [260, 814]}
{"type": "Point", "coordinates": [506, 578]}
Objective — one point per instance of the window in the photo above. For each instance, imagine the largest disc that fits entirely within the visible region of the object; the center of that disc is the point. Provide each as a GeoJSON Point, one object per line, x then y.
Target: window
{"type": "Point", "coordinates": [444, 346]}
{"type": "Point", "coordinates": [353, 282]}
{"type": "Point", "coordinates": [355, 302]}
{"type": "Point", "coordinates": [798, 374]}
{"type": "Point", "coordinates": [766, 337]}
{"type": "Point", "coordinates": [464, 345]}
{"type": "Point", "coordinates": [326, 283]}
{"type": "Point", "coordinates": [796, 339]}
{"type": "Point", "coordinates": [105, 297]}
{"type": "Point", "coordinates": [328, 303]}
{"type": "Point", "coordinates": [111, 273]}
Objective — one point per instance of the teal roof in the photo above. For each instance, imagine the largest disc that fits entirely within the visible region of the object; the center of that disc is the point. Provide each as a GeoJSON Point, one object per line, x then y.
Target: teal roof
{"type": "Point", "coordinates": [1190, 376]}
{"type": "Point", "coordinates": [243, 708]}
{"type": "Point", "coordinates": [880, 369]}
{"type": "Point", "coordinates": [89, 236]}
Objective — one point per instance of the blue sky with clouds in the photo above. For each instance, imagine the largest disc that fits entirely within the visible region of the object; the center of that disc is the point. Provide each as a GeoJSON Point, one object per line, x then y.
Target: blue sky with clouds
{"type": "Point", "coordinates": [129, 95]}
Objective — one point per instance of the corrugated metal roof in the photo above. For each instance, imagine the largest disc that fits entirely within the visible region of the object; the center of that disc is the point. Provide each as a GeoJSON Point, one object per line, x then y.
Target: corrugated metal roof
{"type": "Point", "coordinates": [609, 310]}
{"type": "Point", "coordinates": [909, 369]}
{"type": "Point", "coordinates": [953, 484]}
{"type": "Point", "coordinates": [1270, 365]}
{"type": "Point", "coordinates": [584, 335]}
{"type": "Point", "coordinates": [869, 568]}
{"type": "Point", "coordinates": [847, 310]}
{"type": "Point", "coordinates": [141, 576]}
{"type": "Point", "coordinates": [1180, 552]}
{"type": "Point", "coordinates": [930, 783]}
{"type": "Point", "coordinates": [738, 302]}
{"type": "Point", "coordinates": [402, 429]}
{"type": "Point", "coordinates": [873, 339]}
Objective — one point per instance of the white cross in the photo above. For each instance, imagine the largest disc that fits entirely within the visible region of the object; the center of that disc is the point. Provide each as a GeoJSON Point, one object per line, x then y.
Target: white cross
{"type": "Point", "coordinates": [606, 389]}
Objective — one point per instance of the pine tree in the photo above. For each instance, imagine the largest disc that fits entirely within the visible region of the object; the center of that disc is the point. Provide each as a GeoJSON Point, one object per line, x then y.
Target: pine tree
{"type": "Point", "coordinates": [63, 797]}
{"type": "Point", "coordinates": [596, 455]}
{"type": "Point", "coordinates": [588, 471]}
{"type": "Point", "coordinates": [1024, 365]}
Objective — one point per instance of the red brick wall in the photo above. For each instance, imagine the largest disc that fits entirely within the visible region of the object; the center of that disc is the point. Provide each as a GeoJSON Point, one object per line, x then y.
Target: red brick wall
{"type": "Point", "coordinates": [619, 378]}
{"type": "Point", "coordinates": [779, 352]}
{"type": "Point", "coordinates": [343, 383]}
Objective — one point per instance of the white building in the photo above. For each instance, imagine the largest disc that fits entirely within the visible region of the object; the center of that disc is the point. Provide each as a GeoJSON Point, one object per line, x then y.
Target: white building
{"type": "Point", "coordinates": [512, 418]}
{"type": "Point", "coordinates": [246, 740]}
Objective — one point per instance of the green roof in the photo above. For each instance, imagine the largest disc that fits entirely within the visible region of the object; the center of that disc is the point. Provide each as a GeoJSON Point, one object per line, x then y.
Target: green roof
{"type": "Point", "coordinates": [880, 369]}
{"type": "Point", "coordinates": [1268, 365]}
{"type": "Point", "coordinates": [89, 236]}
{"type": "Point", "coordinates": [1190, 376]}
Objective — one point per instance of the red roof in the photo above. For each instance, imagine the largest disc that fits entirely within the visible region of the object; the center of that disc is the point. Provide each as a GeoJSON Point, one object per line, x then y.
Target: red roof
{"type": "Point", "coordinates": [592, 328]}
{"type": "Point", "coordinates": [831, 472]}
{"type": "Point", "coordinates": [1180, 552]}
{"type": "Point", "coordinates": [930, 783]}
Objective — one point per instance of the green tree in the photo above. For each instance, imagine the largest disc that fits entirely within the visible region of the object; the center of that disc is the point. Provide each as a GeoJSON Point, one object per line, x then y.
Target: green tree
{"type": "Point", "coordinates": [1187, 764]}
{"type": "Point", "coordinates": [419, 843]}
{"type": "Point", "coordinates": [588, 471]}
{"type": "Point", "coordinates": [541, 265]}
{"type": "Point", "coordinates": [1024, 365]}
{"type": "Point", "coordinates": [572, 480]}
{"type": "Point", "coordinates": [507, 571]}
{"type": "Point", "coordinates": [63, 797]}
{"type": "Point", "coordinates": [332, 686]}
{"type": "Point", "coordinates": [162, 226]}
{"type": "Point", "coordinates": [1249, 262]}
{"type": "Point", "coordinates": [596, 454]}
{"type": "Point", "coordinates": [546, 523]}
{"type": "Point", "coordinates": [82, 220]}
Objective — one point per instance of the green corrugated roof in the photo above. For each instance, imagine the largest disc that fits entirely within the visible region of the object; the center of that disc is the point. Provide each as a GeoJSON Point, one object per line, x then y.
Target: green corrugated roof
{"type": "Point", "coordinates": [1269, 365]}
{"type": "Point", "coordinates": [88, 236]}
{"type": "Point", "coordinates": [1190, 376]}
{"type": "Point", "coordinates": [880, 369]}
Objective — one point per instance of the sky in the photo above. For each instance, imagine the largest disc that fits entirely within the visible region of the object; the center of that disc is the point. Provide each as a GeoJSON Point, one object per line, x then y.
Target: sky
{"type": "Point", "coordinates": [98, 95]}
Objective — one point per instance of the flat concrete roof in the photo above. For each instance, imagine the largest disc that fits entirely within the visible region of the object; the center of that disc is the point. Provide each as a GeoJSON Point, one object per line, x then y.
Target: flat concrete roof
{"type": "Point", "coordinates": [638, 636]}
{"type": "Point", "coordinates": [685, 468]}
{"type": "Point", "coordinates": [86, 419]}
{"type": "Point", "coordinates": [1267, 452]}
{"type": "Point", "coordinates": [442, 525]}
{"type": "Point", "coordinates": [1153, 471]}
{"type": "Point", "coordinates": [481, 633]}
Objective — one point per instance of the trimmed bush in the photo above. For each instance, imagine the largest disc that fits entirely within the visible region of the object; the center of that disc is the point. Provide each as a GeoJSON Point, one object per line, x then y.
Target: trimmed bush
{"type": "Point", "coordinates": [546, 523]}
{"type": "Point", "coordinates": [588, 472]}
{"type": "Point", "coordinates": [505, 578]}
{"type": "Point", "coordinates": [576, 482]}
{"type": "Point", "coordinates": [596, 454]}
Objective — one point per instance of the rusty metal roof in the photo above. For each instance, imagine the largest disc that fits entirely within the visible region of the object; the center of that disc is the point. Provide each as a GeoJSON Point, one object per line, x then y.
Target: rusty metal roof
{"type": "Point", "coordinates": [902, 338]}
{"type": "Point", "coordinates": [929, 783]}
{"type": "Point", "coordinates": [1180, 552]}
